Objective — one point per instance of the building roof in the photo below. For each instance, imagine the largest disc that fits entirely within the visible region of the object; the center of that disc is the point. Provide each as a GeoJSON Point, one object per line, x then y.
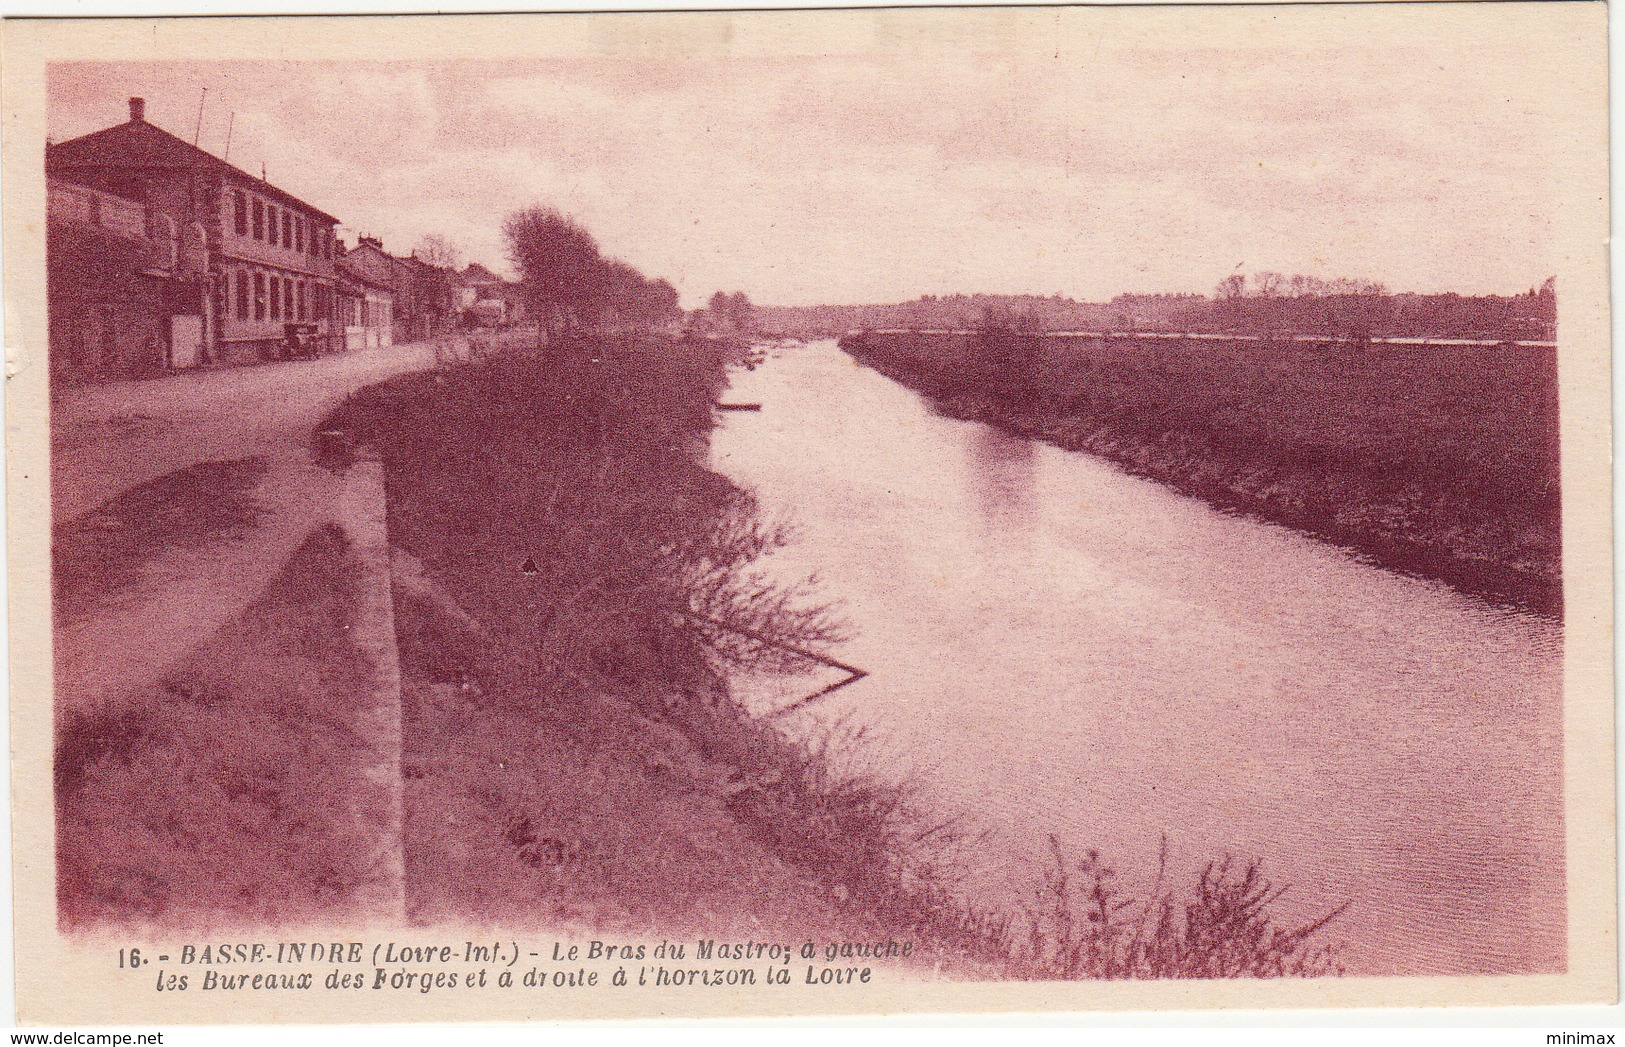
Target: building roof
{"type": "Point", "coordinates": [476, 273]}
{"type": "Point", "coordinates": [349, 270]}
{"type": "Point", "coordinates": [370, 260]}
{"type": "Point", "coordinates": [137, 143]}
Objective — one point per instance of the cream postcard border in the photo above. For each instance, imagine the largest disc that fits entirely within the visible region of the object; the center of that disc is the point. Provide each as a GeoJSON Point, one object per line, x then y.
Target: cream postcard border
{"type": "Point", "coordinates": [61, 981]}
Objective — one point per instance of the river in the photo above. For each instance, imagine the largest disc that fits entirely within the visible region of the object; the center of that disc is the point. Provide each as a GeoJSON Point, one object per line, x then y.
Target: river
{"type": "Point", "coordinates": [1055, 647]}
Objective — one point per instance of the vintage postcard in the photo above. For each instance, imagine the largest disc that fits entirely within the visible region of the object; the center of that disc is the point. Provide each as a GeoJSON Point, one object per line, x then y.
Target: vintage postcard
{"type": "Point", "coordinates": [809, 512]}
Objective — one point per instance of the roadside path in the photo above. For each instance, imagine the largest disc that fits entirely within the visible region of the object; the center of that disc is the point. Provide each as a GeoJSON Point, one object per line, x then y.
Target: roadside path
{"type": "Point", "coordinates": [110, 438]}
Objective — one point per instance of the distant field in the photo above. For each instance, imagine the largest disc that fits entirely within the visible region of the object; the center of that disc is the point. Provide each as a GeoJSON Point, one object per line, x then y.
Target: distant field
{"type": "Point", "coordinates": [1436, 460]}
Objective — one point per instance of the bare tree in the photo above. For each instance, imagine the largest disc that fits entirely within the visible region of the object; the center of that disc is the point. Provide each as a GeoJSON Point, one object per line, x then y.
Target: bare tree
{"type": "Point", "coordinates": [1231, 287]}
{"type": "Point", "coordinates": [436, 282]}
{"type": "Point", "coordinates": [1268, 284]}
{"type": "Point", "coordinates": [438, 251]}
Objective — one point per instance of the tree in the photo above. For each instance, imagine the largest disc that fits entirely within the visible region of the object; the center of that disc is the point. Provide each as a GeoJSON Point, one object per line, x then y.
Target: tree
{"type": "Point", "coordinates": [733, 311]}
{"type": "Point", "coordinates": [1269, 284]}
{"type": "Point", "coordinates": [561, 272]}
{"type": "Point", "coordinates": [1229, 293]}
{"type": "Point", "coordinates": [741, 313]}
{"type": "Point", "coordinates": [654, 303]}
{"type": "Point", "coordinates": [663, 302]}
{"type": "Point", "coordinates": [438, 251]}
{"type": "Point", "coordinates": [569, 285]}
{"type": "Point", "coordinates": [624, 291]}
{"type": "Point", "coordinates": [435, 278]}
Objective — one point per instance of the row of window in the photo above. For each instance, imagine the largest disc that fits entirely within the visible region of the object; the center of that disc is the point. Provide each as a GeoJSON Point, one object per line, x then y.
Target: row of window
{"type": "Point", "coordinates": [258, 295]}
{"type": "Point", "coordinates": [280, 227]}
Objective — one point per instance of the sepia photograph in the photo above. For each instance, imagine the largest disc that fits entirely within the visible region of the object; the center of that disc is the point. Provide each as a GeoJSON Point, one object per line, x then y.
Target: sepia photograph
{"type": "Point", "coordinates": [810, 511]}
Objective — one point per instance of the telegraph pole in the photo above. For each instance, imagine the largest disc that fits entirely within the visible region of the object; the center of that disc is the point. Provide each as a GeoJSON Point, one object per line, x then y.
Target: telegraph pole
{"type": "Point", "coordinates": [197, 132]}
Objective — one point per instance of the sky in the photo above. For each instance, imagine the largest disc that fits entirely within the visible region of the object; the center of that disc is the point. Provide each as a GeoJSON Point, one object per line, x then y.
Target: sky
{"type": "Point", "coordinates": [1068, 161]}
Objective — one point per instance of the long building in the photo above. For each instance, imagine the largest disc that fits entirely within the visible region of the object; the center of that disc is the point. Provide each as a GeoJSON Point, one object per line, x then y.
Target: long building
{"type": "Point", "coordinates": [421, 295]}
{"type": "Point", "coordinates": [251, 257]}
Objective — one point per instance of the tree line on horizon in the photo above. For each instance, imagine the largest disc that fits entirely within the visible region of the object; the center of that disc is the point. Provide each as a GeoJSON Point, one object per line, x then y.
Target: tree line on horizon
{"type": "Point", "coordinates": [1265, 305]}
{"type": "Point", "coordinates": [570, 285]}
{"type": "Point", "coordinates": [1273, 304]}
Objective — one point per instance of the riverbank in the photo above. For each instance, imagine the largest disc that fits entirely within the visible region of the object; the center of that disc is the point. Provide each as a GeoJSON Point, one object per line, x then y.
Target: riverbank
{"type": "Point", "coordinates": [573, 757]}
{"type": "Point", "coordinates": [1438, 461]}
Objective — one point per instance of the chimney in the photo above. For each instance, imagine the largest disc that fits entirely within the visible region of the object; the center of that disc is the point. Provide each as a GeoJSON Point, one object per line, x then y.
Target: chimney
{"type": "Point", "coordinates": [138, 110]}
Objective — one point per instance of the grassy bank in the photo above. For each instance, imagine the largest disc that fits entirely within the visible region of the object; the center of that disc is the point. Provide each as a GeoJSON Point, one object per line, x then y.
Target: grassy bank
{"type": "Point", "coordinates": [1440, 461]}
{"type": "Point", "coordinates": [232, 793]}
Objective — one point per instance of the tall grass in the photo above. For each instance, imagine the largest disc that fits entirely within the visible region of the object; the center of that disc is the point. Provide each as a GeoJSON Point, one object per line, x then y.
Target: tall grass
{"type": "Point", "coordinates": [832, 803]}
{"type": "Point", "coordinates": [566, 495]}
{"type": "Point", "coordinates": [823, 805]}
{"type": "Point", "coordinates": [1082, 925]}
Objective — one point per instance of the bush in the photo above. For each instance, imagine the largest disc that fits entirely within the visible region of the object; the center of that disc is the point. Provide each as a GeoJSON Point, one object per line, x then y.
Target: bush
{"type": "Point", "coordinates": [1081, 925]}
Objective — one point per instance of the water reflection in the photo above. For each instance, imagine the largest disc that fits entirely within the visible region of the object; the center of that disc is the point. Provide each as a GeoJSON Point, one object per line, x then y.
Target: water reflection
{"type": "Point", "coordinates": [1003, 471]}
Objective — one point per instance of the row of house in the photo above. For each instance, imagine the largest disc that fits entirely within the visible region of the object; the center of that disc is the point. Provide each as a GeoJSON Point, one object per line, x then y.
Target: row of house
{"type": "Point", "coordinates": [160, 255]}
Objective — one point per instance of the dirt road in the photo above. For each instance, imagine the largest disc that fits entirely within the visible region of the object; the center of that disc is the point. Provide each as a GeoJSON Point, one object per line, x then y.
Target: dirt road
{"type": "Point", "coordinates": [109, 438]}
{"type": "Point", "coordinates": [124, 476]}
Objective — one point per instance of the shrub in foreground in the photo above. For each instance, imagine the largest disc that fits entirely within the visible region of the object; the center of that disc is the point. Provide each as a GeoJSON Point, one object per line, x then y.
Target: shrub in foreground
{"type": "Point", "coordinates": [1081, 925]}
